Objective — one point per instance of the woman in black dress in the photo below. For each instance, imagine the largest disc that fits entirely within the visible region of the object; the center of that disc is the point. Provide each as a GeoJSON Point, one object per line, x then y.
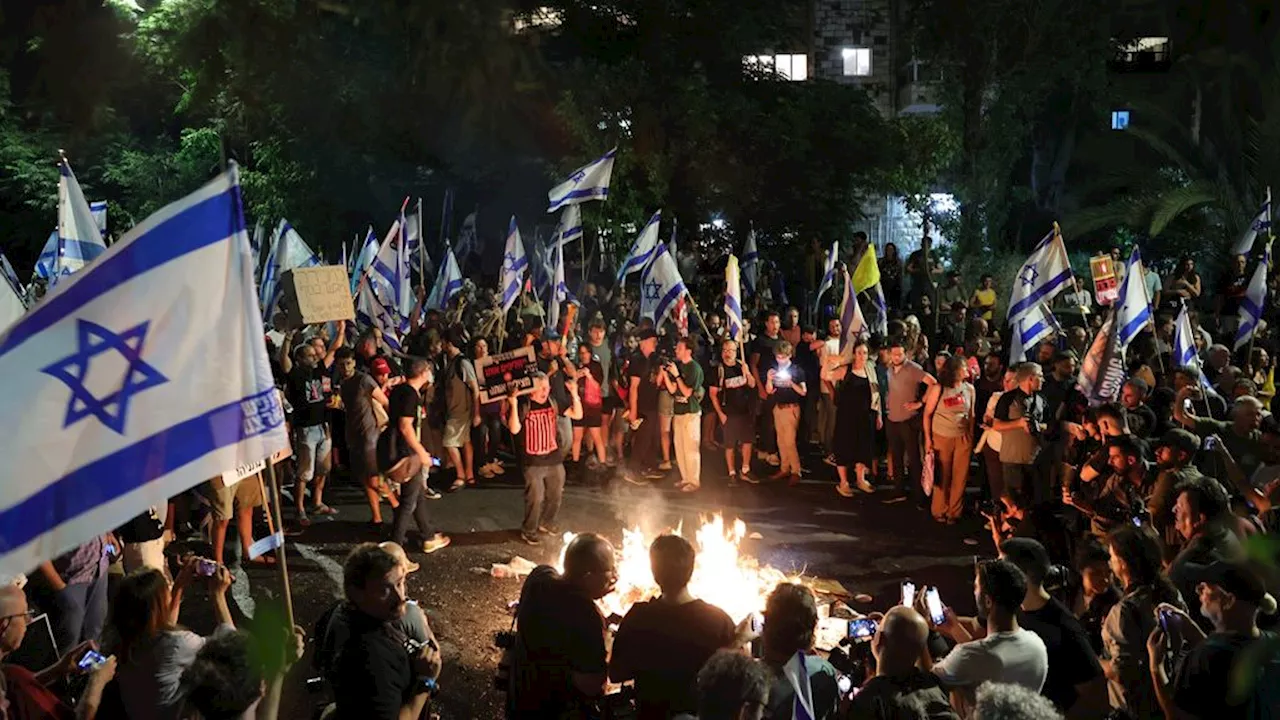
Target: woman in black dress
{"type": "Point", "coordinates": [857, 399]}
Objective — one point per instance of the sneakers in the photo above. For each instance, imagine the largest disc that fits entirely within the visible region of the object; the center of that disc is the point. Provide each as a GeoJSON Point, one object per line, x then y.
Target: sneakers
{"type": "Point", "coordinates": [439, 541]}
{"type": "Point", "coordinates": [432, 494]}
{"type": "Point", "coordinates": [665, 465]}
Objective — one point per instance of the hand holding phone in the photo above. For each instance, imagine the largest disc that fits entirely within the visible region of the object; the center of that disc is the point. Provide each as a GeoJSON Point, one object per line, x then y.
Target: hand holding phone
{"type": "Point", "coordinates": [91, 660]}
{"type": "Point", "coordinates": [933, 602]}
{"type": "Point", "coordinates": [206, 567]}
{"type": "Point", "coordinates": [862, 629]}
{"type": "Point", "coordinates": [908, 593]}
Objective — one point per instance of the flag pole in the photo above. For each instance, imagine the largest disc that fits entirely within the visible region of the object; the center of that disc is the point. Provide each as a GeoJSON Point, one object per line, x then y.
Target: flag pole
{"type": "Point", "coordinates": [422, 247]}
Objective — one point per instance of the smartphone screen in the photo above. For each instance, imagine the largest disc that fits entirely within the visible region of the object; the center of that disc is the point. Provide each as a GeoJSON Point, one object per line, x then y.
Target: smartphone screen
{"type": "Point", "coordinates": [90, 659]}
{"type": "Point", "coordinates": [908, 593]}
{"type": "Point", "coordinates": [862, 628]}
{"type": "Point", "coordinates": [206, 568]}
{"type": "Point", "coordinates": [933, 602]}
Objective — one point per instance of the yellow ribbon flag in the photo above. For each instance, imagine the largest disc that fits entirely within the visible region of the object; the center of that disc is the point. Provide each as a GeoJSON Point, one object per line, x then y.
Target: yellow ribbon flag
{"type": "Point", "coordinates": [867, 274]}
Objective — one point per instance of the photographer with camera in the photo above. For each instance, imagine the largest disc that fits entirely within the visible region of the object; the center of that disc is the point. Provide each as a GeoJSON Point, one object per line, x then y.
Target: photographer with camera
{"type": "Point", "coordinates": [900, 689]}
{"type": "Point", "coordinates": [559, 660]}
{"type": "Point", "coordinates": [1123, 498]}
{"type": "Point", "coordinates": [380, 673]}
{"type": "Point", "coordinates": [683, 380]}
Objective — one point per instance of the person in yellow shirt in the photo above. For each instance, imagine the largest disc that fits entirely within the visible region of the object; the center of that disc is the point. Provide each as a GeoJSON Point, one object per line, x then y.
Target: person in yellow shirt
{"type": "Point", "coordinates": [983, 302]}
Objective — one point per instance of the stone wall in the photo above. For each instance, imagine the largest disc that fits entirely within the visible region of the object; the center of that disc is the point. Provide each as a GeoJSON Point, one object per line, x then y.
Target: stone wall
{"type": "Point", "coordinates": [840, 24]}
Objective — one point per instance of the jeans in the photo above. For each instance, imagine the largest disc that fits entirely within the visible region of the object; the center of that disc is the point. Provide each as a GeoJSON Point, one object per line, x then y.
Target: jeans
{"type": "Point", "coordinates": [564, 435]}
{"type": "Point", "coordinates": [687, 433]}
{"type": "Point", "coordinates": [413, 505]}
{"type": "Point", "coordinates": [78, 613]}
{"type": "Point", "coordinates": [904, 452]}
{"type": "Point", "coordinates": [543, 490]}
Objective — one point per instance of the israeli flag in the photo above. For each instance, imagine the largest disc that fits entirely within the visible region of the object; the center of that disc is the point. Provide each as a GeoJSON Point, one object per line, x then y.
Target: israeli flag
{"type": "Point", "coordinates": [8, 271]}
{"type": "Point", "coordinates": [135, 380]}
{"type": "Point", "coordinates": [47, 263]}
{"type": "Point", "coordinates": [98, 208]}
{"type": "Point", "coordinates": [589, 182]}
{"type": "Point", "coordinates": [570, 227]}
{"type": "Point", "coordinates": [12, 306]}
{"type": "Point", "coordinates": [514, 263]}
{"type": "Point", "coordinates": [1045, 274]}
{"type": "Point", "coordinates": [1030, 330]}
{"type": "Point", "coordinates": [796, 673]}
{"type": "Point", "coordinates": [1184, 349]}
{"type": "Point", "coordinates": [733, 298]}
{"type": "Point", "coordinates": [882, 310]}
{"type": "Point", "coordinates": [448, 283]}
{"type": "Point", "coordinates": [79, 239]}
{"type": "Point", "coordinates": [750, 262]}
{"type": "Point", "coordinates": [828, 275]}
{"type": "Point", "coordinates": [256, 241]}
{"type": "Point", "coordinates": [371, 312]}
{"type": "Point", "coordinates": [559, 290]}
{"type": "Point", "coordinates": [643, 250]}
{"type": "Point", "coordinates": [288, 252]}
{"type": "Point", "coordinates": [1134, 311]}
{"type": "Point", "coordinates": [1260, 224]}
{"type": "Point", "coordinates": [852, 323]}
{"type": "Point", "coordinates": [660, 286]}
{"type": "Point", "coordinates": [388, 273]}
{"type": "Point", "coordinates": [364, 258]}
{"type": "Point", "coordinates": [1252, 303]}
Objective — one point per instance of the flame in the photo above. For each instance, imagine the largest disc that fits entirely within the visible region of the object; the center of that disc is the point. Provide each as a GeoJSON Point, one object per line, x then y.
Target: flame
{"type": "Point", "coordinates": [722, 575]}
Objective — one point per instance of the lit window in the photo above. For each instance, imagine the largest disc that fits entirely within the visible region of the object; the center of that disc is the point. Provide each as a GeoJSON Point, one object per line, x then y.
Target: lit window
{"type": "Point", "coordinates": [857, 61]}
{"type": "Point", "coordinates": [789, 66]}
{"type": "Point", "coordinates": [1120, 120]}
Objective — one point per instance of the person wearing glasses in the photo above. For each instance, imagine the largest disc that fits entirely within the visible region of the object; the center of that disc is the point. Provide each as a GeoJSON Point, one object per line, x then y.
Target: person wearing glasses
{"type": "Point", "coordinates": [24, 693]}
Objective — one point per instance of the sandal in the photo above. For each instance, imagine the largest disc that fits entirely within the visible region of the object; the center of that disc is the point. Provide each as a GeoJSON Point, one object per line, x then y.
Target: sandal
{"type": "Point", "coordinates": [471, 481]}
{"type": "Point", "coordinates": [323, 509]}
{"type": "Point", "coordinates": [689, 487]}
{"type": "Point", "coordinates": [457, 485]}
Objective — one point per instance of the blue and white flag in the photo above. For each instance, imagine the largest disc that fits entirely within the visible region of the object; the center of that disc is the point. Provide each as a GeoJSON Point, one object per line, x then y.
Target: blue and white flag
{"type": "Point", "coordinates": [7, 270]}
{"type": "Point", "coordinates": [389, 274]}
{"type": "Point", "coordinates": [796, 673]}
{"type": "Point", "coordinates": [733, 298]}
{"type": "Point", "coordinates": [1102, 369]}
{"type": "Point", "coordinates": [79, 239]}
{"type": "Point", "coordinates": [364, 258]}
{"type": "Point", "coordinates": [1260, 224]}
{"type": "Point", "coordinates": [1030, 330]}
{"type": "Point", "coordinates": [99, 210]}
{"type": "Point", "coordinates": [256, 241]}
{"type": "Point", "coordinates": [371, 312]}
{"type": "Point", "coordinates": [559, 290]}
{"type": "Point", "coordinates": [589, 182]}
{"type": "Point", "coordinates": [135, 380]}
{"type": "Point", "coordinates": [660, 286]}
{"type": "Point", "coordinates": [1185, 354]}
{"type": "Point", "coordinates": [1133, 309]}
{"type": "Point", "coordinates": [448, 282]}
{"type": "Point", "coordinates": [570, 227]}
{"type": "Point", "coordinates": [750, 263]}
{"type": "Point", "coordinates": [1252, 303]}
{"type": "Point", "coordinates": [288, 252]}
{"type": "Point", "coordinates": [642, 250]}
{"type": "Point", "coordinates": [882, 309]}
{"type": "Point", "coordinates": [853, 324]}
{"type": "Point", "coordinates": [1045, 274]}
{"type": "Point", "coordinates": [514, 262]}
{"type": "Point", "coordinates": [828, 275]}
{"type": "Point", "coordinates": [47, 263]}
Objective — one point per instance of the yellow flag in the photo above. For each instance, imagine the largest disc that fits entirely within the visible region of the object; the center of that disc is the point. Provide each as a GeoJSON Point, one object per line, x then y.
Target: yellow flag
{"type": "Point", "coordinates": [867, 274]}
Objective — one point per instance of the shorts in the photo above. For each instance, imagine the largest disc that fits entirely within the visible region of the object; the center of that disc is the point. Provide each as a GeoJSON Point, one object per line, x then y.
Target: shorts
{"type": "Point", "coordinates": [457, 432]}
{"type": "Point", "coordinates": [363, 457]}
{"type": "Point", "coordinates": [739, 430]}
{"type": "Point", "coordinates": [311, 446]}
{"type": "Point", "coordinates": [247, 494]}
{"type": "Point", "coordinates": [591, 418]}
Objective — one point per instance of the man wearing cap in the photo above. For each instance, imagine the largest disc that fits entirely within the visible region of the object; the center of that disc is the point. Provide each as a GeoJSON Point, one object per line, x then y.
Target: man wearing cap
{"type": "Point", "coordinates": [1174, 453]}
{"type": "Point", "coordinates": [642, 407]}
{"type": "Point", "coordinates": [1233, 671]}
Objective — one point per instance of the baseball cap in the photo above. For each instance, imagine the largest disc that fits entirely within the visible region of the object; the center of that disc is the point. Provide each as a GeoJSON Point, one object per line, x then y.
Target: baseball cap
{"type": "Point", "coordinates": [1180, 439]}
{"type": "Point", "coordinates": [550, 333]}
{"type": "Point", "coordinates": [380, 366]}
{"type": "Point", "coordinates": [646, 334]}
{"type": "Point", "coordinates": [1234, 577]}
{"type": "Point", "coordinates": [394, 550]}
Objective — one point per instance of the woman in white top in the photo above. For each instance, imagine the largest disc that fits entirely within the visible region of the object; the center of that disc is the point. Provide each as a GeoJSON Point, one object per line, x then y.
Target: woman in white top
{"type": "Point", "coordinates": [948, 430]}
{"type": "Point", "coordinates": [989, 443]}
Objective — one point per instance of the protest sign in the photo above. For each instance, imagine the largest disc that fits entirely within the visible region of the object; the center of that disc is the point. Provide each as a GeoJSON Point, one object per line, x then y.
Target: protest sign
{"type": "Point", "coordinates": [316, 295]}
{"type": "Point", "coordinates": [1106, 288]}
{"type": "Point", "coordinates": [508, 373]}
{"type": "Point", "coordinates": [248, 470]}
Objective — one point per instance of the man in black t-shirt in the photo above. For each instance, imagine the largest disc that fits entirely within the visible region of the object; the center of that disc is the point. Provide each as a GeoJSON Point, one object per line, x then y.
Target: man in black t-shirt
{"type": "Point", "coordinates": [533, 424]}
{"type": "Point", "coordinates": [1075, 675]}
{"type": "Point", "coordinates": [785, 385]}
{"type": "Point", "coordinates": [642, 407]}
{"type": "Point", "coordinates": [308, 388]}
{"type": "Point", "coordinates": [404, 411]}
{"type": "Point", "coordinates": [732, 396]}
{"type": "Point", "coordinates": [662, 643]}
{"type": "Point", "coordinates": [559, 661]}
{"type": "Point", "coordinates": [761, 359]}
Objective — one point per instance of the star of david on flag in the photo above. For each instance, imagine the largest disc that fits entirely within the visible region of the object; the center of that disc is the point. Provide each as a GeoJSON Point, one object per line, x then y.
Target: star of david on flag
{"type": "Point", "coordinates": [135, 379]}
{"type": "Point", "coordinates": [1045, 274]}
{"type": "Point", "coordinates": [662, 286]}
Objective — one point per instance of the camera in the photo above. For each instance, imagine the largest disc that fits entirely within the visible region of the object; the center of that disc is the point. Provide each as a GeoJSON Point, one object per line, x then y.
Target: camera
{"type": "Point", "coordinates": [413, 648]}
{"type": "Point", "coordinates": [504, 640]}
{"type": "Point", "coordinates": [853, 659]}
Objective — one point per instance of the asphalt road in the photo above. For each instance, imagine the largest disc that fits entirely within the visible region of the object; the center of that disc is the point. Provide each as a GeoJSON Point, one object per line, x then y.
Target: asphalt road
{"type": "Point", "coordinates": [867, 544]}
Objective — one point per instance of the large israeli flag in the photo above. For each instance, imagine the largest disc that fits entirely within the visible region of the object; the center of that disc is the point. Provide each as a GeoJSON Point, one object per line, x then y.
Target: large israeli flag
{"type": "Point", "coordinates": [47, 263]}
{"type": "Point", "coordinates": [1251, 305]}
{"type": "Point", "coordinates": [364, 258]}
{"type": "Point", "coordinates": [589, 182]}
{"type": "Point", "coordinates": [660, 286]}
{"type": "Point", "coordinates": [559, 289]}
{"type": "Point", "coordinates": [733, 298]}
{"type": "Point", "coordinates": [98, 208]}
{"type": "Point", "coordinates": [135, 380]}
{"type": "Point", "coordinates": [79, 239]}
{"type": "Point", "coordinates": [389, 273]}
{"type": "Point", "coordinates": [1133, 313]}
{"type": "Point", "coordinates": [1046, 273]}
{"type": "Point", "coordinates": [1031, 329]}
{"type": "Point", "coordinates": [1261, 223]}
{"type": "Point", "coordinates": [288, 252]}
{"type": "Point", "coordinates": [448, 283]}
{"type": "Point", "coordinates": [828, 275]}
{"type": "Point", "coordinates": [514, 263]}
{"type": "Point", "coordinates": [570, 228]}
{"type": "Point", "coordinates": [853, 324]}
{"type": "Point", "coordinates": [643, 250]}
{"type": "Point", "coordinates": [750, 262]}
{"type": "Point", "coordinates": [371, 312]}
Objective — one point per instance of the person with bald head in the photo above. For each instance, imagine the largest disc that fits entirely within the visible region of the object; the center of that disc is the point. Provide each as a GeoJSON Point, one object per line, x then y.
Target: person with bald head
{"type": "Point", "coordinates": [900, 689]}
{"type": "Point", "coordinates": [559, 662]}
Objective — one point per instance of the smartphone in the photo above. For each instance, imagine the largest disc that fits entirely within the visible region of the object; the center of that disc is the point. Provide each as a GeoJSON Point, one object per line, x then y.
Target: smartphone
{"type": "Point", "coordinates": [90, 660]}
{"type": "Point", "coordinates": [845, 684]}
{"type": "Point", "coordinates": [1211, 443]}
{"type": "Point", "coordinates": [435, 461]}
{"type": "Point", "coordinates": [933, 602]}
{"type": "Point", "coordinates": [862, 628]}
{"type": "Point", "coordinates": [908, 593]}
{"type": "Point", "coordinates": [757, 623]}
{"type": "Point", "coordinates": [206, 568]}
{"type": "Point", "coordinates": [782, 375]}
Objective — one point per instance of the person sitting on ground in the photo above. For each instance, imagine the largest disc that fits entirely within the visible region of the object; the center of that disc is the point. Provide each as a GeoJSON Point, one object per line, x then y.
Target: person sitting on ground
{"type": "Point", "coordinates": [790, 621]}
{"type": "Point", "coordinates": [559, 661]}
{"type": "Point", "coordinates": [662, 643]}
{"type": "Point", "coordinates": [731, 686]}
{"type": "Point", "coordinates": [899, 688]}
{"type": "Point", "coordinates": [24, 694]}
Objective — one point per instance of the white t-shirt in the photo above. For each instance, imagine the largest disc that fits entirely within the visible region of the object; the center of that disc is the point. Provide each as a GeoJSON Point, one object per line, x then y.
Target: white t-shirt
{"type": "Point", "coordinates": [1017, 657]}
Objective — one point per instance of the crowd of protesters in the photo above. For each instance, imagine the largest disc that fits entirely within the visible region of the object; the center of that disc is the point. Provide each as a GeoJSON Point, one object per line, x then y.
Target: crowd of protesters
{"type": "Point", "coordinates": [1122, 586]}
